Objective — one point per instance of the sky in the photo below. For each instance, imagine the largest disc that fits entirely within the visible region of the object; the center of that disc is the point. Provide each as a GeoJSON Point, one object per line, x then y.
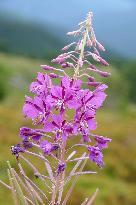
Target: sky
{"type": "Point", "coordinates": [114, 20]}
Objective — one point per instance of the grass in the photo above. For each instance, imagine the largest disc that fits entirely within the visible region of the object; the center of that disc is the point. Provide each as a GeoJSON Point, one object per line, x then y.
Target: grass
{"type": "Point", "coordinates": [116, 181]}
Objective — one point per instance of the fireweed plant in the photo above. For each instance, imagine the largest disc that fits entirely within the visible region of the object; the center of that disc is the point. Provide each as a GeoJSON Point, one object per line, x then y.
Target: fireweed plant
{"type": "Point", "coordinates": [63, 107]}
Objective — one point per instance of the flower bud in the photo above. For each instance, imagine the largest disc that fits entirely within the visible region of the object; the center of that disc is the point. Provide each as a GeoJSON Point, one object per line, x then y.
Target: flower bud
{"type": "Point", "coordinates": [94, 84]}
{"type": "Point", "coordinates": [53, 75]}
{"type": "Point", "coordinates": [68, 46]}
{"type": "Point", "coordinates": [46, 67]}
{"type": "Point", "coordinates": [104, 74]}
{"type": "Point", "coordinates": [73, 33]}
{"type": "Point", "coordinates": [100, 46]}
{"type": "Point", "coordinates": [91, 79]}
{"type": "Point", "coordinates": [66, 65]}
{"type": "Point", "coordinates": [93, 67]}
{"type": "Point", "coordinates": [103, 62]}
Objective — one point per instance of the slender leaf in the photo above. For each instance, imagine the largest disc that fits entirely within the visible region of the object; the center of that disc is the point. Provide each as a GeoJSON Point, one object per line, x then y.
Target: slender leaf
{"type": "Point", "coordinates": [18, 188]}
{"type": "Point", "coordinates": [93, 197]}
{"type": "Point", "coordinates": [73, 184]}
{"type": "Point", "coordinates": [14, 195]}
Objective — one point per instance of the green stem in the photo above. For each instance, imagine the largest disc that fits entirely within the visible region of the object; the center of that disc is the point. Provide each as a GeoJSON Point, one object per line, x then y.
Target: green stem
{"type": "Point", "coordinates": [58, 185]}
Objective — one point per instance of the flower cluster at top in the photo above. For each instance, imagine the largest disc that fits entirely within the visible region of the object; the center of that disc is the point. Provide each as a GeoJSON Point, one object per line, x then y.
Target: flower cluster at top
{"type": "Point", "coordinates": [53, 99]}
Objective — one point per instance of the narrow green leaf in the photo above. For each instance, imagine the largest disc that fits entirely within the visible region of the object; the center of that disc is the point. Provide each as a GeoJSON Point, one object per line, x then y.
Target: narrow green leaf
{"type": "Point", "coordinates": [73, 184]}
{"type": "Point", "coordinates": [12, 188]}
{"type": "Point", "coordinates": [93, 197]}
{"type": "Point", "coordinates": [18, 188]}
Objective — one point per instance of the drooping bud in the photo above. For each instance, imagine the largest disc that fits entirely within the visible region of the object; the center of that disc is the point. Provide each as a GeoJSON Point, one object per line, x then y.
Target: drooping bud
{"type": "Point", "coordinates": [61, 168]}
{"type": "Point", "coordinates": [103, 74]}
{"type": "Point", "coordinates": [100, 46]}
{"type": "Point", "coordinates": [68, 46]}
{"type": "Point", "coordinates": [66, 65]}
{"type": "Point", "coordinates": [96, 155]}
{"type": "Point", "coordinates": [16, 150]}
{"type": "Point", "coordinates": [93, 67]}
{"type": "Point", "coordinates": [46, 67]}
{"type": "Point", "coordinates": [73, 33]}
{"type": "Point", "coordinates": [53, 75]}
{"type": "Point", "coordinates": [102, 142]}
{"type": "Point", "coordinates": [94, 84]}
{"type": "Point", "coordinates": [103, 62]}
{"type": "Point", "coordinates": [91, 79]}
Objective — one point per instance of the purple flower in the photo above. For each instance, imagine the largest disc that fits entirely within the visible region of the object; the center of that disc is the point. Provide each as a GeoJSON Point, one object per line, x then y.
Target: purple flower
{"type": "Point", "coordinates": [84, 122]}
{"type": "Point", "coordinates": [71, 83]}
{"type": "Point", "coordinates": [17, 149]}
{"type": "Point", "coordinates": [85, 134]}
{"type": "Point", "coordinates": [27, 144]}
{"type": "Point", "coordinates": [59, 126]}
{"type": "Point", "coordinates": [96, 155]}
{"type": "Point", "coordinates": [26, 132]}
{"type": "Point", "coordinates": [86, 119]}
{"type": "Point", "coordinates": [54, 75]}
{"type": "Point", "coordinates": [63, 96]}
{"type": "Point", "coordinates": [99, 96]}
{"type": "Point", "coordinates": [42, 85]}
{"type": "Point", "coordinates": [48, 147]}
{"type": "Point", "coordinates": [36, 109]}
{"type": "Point", "coordinates": [61, 168]}
{"type": "Point", "coordinates": [66, 65]}
{"type": "Point", "coordinates": [102, 142]}
{"type": "Point", "coordinates": [92, 100]}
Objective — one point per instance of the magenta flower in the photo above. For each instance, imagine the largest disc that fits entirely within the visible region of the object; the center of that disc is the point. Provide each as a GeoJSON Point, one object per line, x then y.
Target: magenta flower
{"type": "Point", "coordinates": [37, 109]}
{"type": "Point", "coordinates": [59, 126]}
{"type": "Point", "coordinates": [42, 85]}
{"type": "Point", "coordinates": [99, 96]}
{"type": "Point", "coordinates": [96, 155]}
{"type": "Point", "coordinates": [84, 123]}
{"type": "Point", "coordinates": [67, 82]}
{"type": "Point", "coordinates": [48, 147]}
{"type": "Point", "coordinates": [16, 150]}
{"type": "Point", "coordinates": [86, 119]}
{"type": "Point", "coordinates": [92, 100]}
{"type": "Point", "coordinates": [102, 142]}
{"type": "Point", "coordinates": [26, 132]}
{"type": "Point", "coordinates": [63, 96]}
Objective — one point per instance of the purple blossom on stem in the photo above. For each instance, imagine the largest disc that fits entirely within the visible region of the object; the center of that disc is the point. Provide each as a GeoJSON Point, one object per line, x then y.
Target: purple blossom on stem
{"type": "Point", "coordinates": [59, 126]}
{"type": "Point", "coordinates": [63, 96]}
{"type": "Point", "coordinates": [96, 155]}
{"type": "Point", "coordinates": [42, 85]}
{"type": "Point", "coordinates": [26, 143]}
{"type": "Point", "coordinates": [61, 168]}
{"type": "Point", "coordinates": [37, 109]}
{"type": "Point", "coordinates": [26, 132]}
{"type": "Point", "coordinates": [102, 142]}
{"type": "Point", "coordinates": [48, 147]}
{"type": "Point", "coordinates": [15, 150]}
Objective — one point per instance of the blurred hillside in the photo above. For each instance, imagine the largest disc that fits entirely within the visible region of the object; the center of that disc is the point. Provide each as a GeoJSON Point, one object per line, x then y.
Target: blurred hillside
{"type": "Point", "coordinates": [28, 39]}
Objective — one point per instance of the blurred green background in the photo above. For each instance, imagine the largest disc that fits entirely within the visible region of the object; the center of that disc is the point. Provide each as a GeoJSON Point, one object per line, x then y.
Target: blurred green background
{"type": "Point", "coordinates": [31, 33]}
